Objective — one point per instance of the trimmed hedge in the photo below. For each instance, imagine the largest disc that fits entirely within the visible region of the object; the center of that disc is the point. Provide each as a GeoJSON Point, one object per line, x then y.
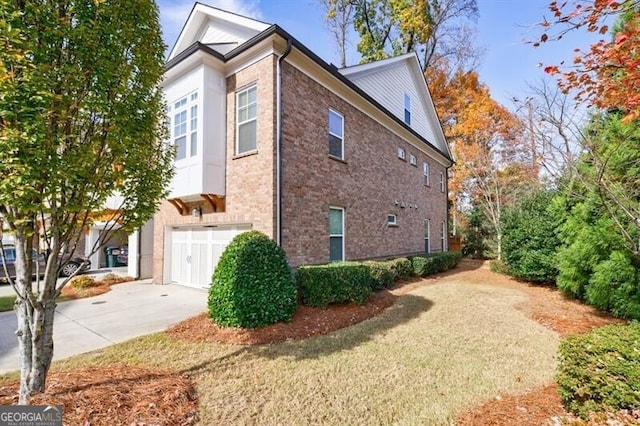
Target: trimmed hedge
{"type": "Point", "coordinates": [321, 285]}
{"type": "Point", "coordinates": [252, 284]}
{"type": "Point", "coordinates": [382, 274]}
{"type": "Point", "coordinates": [401, 268]}
{"type": "Point", "coordinates": [434, 263]}
{"type": "Point", "coordinates": [600, 371]}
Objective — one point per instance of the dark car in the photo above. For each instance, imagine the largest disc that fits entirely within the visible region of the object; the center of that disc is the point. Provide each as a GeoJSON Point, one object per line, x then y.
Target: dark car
{"type": "Point", "coordinates": [40, 263]}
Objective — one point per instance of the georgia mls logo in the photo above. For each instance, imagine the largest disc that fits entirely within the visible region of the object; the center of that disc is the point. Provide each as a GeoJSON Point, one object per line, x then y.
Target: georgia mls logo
{"type": "Point", "coordinates": [30, 415]}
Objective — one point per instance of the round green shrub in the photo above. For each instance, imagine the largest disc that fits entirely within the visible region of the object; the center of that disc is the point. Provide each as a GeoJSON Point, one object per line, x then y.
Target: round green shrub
{"type": "Point", "coordinates": [252, 284]}
{"type": "Point", "coordinates": [600, 371]}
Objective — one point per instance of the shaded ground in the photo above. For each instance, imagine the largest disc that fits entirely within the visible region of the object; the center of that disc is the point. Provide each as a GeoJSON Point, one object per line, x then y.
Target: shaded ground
{"type": "Point", "coordinates": [93, 394]}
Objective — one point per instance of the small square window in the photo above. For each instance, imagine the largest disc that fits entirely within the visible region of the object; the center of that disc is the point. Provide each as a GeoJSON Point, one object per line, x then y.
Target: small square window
{"type": "Point", "coordinates": [392, 219]}
{"type": "Point", "coordinates": [402, 154]}
{"type": "Point", "coordinates": [413, 160]}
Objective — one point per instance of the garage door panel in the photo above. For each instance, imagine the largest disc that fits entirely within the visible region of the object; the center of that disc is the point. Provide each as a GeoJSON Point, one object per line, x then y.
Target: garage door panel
{"type": "Point", "coordinates": [196, 251]}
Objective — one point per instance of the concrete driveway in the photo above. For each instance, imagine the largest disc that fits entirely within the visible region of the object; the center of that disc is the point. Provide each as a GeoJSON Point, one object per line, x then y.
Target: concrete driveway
{"type": "Point", "coordinates": [127, 311]}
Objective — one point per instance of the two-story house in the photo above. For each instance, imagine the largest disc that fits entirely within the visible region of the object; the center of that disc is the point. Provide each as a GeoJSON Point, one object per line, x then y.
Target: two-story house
{"type": "Point", "coordinates": [333, 164]}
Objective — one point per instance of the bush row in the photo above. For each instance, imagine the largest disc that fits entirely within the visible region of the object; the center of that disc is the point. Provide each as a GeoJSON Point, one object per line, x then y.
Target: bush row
{"type": "Point", "coordinates": [432, 264]}
{"type": "Point", "coordinates": [321, 285]}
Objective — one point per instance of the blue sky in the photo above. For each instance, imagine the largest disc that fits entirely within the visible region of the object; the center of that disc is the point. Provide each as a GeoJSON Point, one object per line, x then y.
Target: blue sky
{"type": "Point", "coordinates": [508, 63]}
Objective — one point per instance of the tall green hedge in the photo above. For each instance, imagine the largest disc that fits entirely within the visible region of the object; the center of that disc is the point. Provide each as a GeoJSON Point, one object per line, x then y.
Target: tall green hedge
{"type": "Point", "coordinates": [252, 284]}
{"type": "Point", "coordinates": [434, 263]}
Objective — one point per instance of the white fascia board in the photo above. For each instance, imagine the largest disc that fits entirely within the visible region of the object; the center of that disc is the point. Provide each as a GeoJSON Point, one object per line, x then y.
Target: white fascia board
{"type": "Point", "coordinates": [375, 66]}
{"type": "Point", "coordinates": [196, 59]}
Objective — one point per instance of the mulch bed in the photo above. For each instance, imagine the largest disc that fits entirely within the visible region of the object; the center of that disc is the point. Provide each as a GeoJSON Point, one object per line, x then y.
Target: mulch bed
{"type": "Point", "coordinates": [116, 395]}
{"type": "Point", "coordinates": [307, 322]}
{"type": "Point", "coordinates": [132, 395]}
{"type": "Point", "coordinates": [101, 286]}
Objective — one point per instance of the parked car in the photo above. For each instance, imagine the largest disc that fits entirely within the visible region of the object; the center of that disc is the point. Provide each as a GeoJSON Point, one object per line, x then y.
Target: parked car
{"type": "Point", "coordinates": [40, 262]}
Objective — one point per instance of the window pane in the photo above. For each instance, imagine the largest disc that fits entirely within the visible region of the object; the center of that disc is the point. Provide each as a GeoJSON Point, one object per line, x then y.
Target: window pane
{"type": "Point", "coordinates": [252, 110]}
{"type": "Point", "coordinates": [243, 98]}
{"type": "Point", "coordinates": [407, 117]}
{"type": "Point", "coordinates": [181, 147]}
{"type": "Point", "coordinates": [335, 221]}
{"type": "Point", "coordinates": [247, 137]}
{"type": "Point", "coordinates": [407, 102]}
{"type": "Point", "coordinates": [253, 93]}
{"type": "Point", "coordinates": [242, 115]}
{"type": "Point", "coordinates": [335, 124]}
{"type": "Point", "coordinates": [194, 144]}
{"type": "Point", "coordinates": [180, 123]}
{"type": "Point", "coordinates": [335, 146]}
{"type": "Point", "coordinates": [194, 117]}
{"type": "Point", "coordinates": [335, 249]}
{"type": "Point", "coordinates": [427, 246]}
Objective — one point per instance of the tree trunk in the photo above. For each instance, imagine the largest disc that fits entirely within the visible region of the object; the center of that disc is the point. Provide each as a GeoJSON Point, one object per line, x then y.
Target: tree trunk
{"type": "Point", "coordinates": [35, 314]}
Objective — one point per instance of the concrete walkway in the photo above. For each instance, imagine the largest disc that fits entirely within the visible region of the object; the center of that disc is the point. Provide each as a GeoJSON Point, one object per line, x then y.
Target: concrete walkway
{"type": "Point", "coordinates": [127, 311]}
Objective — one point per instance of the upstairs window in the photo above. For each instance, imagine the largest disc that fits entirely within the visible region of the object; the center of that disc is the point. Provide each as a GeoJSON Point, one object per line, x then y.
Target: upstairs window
{"type": "Point", "coordinates": [407, 109]}
{"type": "Point", "coordinates": [413, 160]}
{"type": "Point", "coordinates": [246, 119]}
{"type": "Point", "coordinates": [425, 173]}
{"type": "Point", "coordinates": [392, 220]}
{"type": "Point", "coordinates": [184, 126]}
{"type": "Point", "coordinates": [336, 135]}
{"type": "Point", "coordinates": [441, 182]}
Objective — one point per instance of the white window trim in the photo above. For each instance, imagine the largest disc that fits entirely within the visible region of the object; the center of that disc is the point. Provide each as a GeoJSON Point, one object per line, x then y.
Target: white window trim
{"type": "Point", "coordinates": [394, 221]}
{"type": "Point", "coordinates": [413, 160]}
{"type": "Point", "coordinates": [331, 110]}
{"type": "Point", "coordinates": [441, 182]}
{"type": "Point", "coordinates": [238, 123]}
{"type": "Point", "coordinates": [428, 234]}
{"type": "Point", "coordinates": [426, 179]}
{"type": "Point", "coordinates": [443, 233]}
{"type": "Point", "coordinates": [402, 154]}
{"type": "Point", "coordinates": [344, 255]}
{"type": "Point", "coordinates": [191, 100]}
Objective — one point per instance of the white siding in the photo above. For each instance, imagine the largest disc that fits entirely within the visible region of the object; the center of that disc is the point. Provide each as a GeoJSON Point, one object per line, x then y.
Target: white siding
{"type": "Point", "coordinates": [218, 31]}
{"type": "Point", "coordinates": [204, 172]}
{"type": "Point", "coordinates": [388, 86]}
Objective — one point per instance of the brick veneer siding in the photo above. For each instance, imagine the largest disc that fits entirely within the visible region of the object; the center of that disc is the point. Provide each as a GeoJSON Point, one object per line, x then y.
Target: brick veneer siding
{"type": "Point", "coordinates": [366, 184]}
{"type": "Point", "coordinates": [250, 179]}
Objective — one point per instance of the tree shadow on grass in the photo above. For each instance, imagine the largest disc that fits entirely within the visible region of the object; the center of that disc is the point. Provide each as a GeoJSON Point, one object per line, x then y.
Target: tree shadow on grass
{"type": "Point", "coordinates": [405, 309]}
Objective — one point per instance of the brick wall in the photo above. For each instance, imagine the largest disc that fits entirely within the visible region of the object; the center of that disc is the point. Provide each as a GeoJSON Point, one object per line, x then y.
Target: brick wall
{"type": "Point", "coordinates": [366, 184]}
{"type": "Point", "coordinates": [250, 179]}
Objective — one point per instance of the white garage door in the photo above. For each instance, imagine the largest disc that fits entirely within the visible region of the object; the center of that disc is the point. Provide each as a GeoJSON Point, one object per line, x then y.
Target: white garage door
{"type": "Point", "coordinates": [195, 253]}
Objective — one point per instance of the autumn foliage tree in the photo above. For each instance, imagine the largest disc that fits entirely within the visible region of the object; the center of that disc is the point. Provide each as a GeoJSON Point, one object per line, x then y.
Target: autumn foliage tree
{"type": "Point", "coordinates": [607, 75]}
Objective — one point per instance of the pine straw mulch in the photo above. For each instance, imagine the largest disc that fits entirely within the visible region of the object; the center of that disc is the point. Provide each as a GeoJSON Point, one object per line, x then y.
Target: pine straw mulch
{"type": "Point", "coordinates": [100, 286]}
{"type": "Point", "coordinates": [116, 395]}
{"type": "Point", "coordinates": [132, 395]}
{"type": "Point", "coordinates": [307, 322]}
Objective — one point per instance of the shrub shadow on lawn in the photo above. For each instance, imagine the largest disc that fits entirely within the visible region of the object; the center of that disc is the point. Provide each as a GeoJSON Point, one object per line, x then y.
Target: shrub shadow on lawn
{"type": "Point", "coordinates": [405, 309]}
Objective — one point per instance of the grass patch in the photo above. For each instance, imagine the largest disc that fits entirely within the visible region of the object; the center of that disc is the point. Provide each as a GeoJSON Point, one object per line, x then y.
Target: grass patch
{"type": "Point", "coordinates": [6, 303]}
{"type": "Point", "coordinates": [438, 351]}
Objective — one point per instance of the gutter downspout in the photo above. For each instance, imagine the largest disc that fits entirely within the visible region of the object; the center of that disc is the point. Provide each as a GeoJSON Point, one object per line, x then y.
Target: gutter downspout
{"type": "Point", "coordinates": [279, 142]}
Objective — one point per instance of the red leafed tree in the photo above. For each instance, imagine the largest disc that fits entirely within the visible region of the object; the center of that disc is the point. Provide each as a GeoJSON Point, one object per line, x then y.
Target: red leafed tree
{"type": "Point", "coordinates": [607, 75]}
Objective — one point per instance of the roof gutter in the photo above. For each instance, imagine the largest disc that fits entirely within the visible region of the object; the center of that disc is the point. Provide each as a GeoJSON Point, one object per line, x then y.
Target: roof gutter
{"type": "Point", "coordinates": [279, 142]}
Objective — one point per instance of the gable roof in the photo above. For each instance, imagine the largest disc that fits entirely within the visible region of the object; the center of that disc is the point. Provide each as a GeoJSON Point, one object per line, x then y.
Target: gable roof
{"type": "Point", "coordinates": [197, 18]}
{"type": "Point", "coordinates": [401, 74]}
{"type": "Point", "coordinates": [218, 29]}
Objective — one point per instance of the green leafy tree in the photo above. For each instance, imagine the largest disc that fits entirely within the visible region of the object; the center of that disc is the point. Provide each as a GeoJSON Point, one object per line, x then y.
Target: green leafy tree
{"type": "Point", "coordinates": [530, 238]}
{"type": "Point", "coordinates": [80, 121]}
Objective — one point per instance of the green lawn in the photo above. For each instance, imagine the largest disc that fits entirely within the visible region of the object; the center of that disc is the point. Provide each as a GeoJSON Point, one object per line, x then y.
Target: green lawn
{"type": "Point", "coordinates": [439, 350]}
{"type": "Point", "coordinates": [6, 303]}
